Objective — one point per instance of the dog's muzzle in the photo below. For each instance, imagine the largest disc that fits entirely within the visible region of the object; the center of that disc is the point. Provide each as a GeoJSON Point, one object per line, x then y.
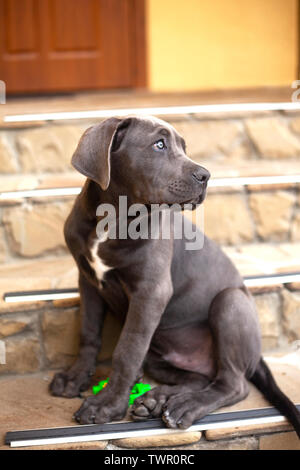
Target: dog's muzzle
{"type": "Point", "coordinates": [201, 176]}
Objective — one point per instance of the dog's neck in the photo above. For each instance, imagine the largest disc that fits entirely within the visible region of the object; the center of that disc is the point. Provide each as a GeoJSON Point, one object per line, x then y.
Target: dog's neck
{"type": "Point", "coordinates": [92, 196]}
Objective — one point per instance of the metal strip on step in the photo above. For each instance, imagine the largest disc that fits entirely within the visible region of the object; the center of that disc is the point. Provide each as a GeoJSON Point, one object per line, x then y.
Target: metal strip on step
{"type": "Point", "coordinates": [39, 295]}
{"type": "Point", "coordinates": [225, 182]}
{"type": "Point", "coordinates": [253, 180]}
{"type": "Point", "coordinates": [271, 279]}
{"type": "Point", "coordinates": [46, 192]}
{"type": "Point", "coordinates": [56, 294]}
{"type": "Point", "coordinates": [96, 432]}
{"type": "Point", "coordinates": [160, 111]}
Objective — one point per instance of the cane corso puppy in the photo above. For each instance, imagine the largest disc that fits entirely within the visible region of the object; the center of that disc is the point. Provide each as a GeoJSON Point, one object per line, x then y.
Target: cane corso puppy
{"type": "Point", "coordinates": [188, 318]}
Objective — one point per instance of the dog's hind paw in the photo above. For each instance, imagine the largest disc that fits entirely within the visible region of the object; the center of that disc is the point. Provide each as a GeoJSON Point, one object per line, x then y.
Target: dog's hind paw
{"type": "Point", "coordinates": [150, 405]}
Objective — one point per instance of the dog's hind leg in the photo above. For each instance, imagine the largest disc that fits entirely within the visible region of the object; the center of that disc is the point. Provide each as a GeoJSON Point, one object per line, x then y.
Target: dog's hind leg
{"type": "Point", "coordinates": [165, 373]}
{"type": "Point", "coordinates": [234, 327]}
{"type": "Point", "coordinates": [175, 380]}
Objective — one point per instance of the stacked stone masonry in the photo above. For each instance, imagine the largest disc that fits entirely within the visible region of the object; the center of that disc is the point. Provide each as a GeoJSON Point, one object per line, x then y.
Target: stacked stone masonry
{"type": "Point", "coordinates": [266, 220]}
{"type": "Point", "coordinates": [44, 336]}
{"type": "Point", "coordinates": [39, 156]}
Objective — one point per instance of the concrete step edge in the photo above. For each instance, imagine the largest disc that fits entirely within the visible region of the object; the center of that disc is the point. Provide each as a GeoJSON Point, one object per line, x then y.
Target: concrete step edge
{"type": "Point", "coordinates": [256, 182]}
{"type": "Point", "coordinates": [158, 110]}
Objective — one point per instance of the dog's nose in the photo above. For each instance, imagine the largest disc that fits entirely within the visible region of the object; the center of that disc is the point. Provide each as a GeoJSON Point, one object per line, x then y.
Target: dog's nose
{"type": "Point", "coordinates": [201, 175]}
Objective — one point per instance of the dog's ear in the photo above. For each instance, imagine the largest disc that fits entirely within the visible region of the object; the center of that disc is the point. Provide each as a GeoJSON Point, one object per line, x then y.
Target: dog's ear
{"type": "Point", "coordinates": [92, 155]}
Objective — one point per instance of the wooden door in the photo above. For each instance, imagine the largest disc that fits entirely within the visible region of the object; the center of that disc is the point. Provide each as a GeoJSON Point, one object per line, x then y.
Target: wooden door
{"type": "Point", "coordinates": [66, 45]}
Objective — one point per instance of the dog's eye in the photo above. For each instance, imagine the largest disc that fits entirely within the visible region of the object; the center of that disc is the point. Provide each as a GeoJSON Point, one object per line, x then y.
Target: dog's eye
{"type": "Point", "coordinates": [159, 145]}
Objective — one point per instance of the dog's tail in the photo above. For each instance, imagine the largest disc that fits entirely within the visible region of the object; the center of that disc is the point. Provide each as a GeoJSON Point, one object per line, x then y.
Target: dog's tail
{"type": "Point", "coordinates": [264, 381]}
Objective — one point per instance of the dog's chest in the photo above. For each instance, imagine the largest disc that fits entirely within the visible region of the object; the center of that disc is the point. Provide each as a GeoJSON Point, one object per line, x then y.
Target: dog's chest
{"type": "Point", "coordinates": [96, 262]}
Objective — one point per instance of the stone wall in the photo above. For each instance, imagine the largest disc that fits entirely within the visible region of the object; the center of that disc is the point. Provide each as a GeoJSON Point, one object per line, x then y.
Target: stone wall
{"type": "Point", "coordinates": [45, 335]}
{"type": "Point", "coordinates": [31, 229]}
{"type": "Point", "coordinates": [41, 148]}
{"type": "Point", "coordinates": [39, 156]}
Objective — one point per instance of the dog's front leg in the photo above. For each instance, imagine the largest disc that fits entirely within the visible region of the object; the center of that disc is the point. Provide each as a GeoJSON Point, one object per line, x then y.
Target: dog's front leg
{"type": "Point", "coordinates": [77, 379]}
{"type": "Point", "coordinates": [145, 310]}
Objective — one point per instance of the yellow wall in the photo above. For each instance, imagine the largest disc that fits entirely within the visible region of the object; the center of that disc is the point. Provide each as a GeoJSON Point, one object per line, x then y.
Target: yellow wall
{"type": "Point", "coordinates": [207, 44]}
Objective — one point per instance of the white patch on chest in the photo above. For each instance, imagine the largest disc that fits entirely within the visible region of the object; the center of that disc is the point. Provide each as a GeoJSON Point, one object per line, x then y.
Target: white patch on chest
{"type": "Point", "coordinates": [95, 262]}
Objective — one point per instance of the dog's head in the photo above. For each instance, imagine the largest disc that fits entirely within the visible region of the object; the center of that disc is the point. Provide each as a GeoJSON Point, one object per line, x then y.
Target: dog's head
{"type": "Point", "coordinates": [143, 158]}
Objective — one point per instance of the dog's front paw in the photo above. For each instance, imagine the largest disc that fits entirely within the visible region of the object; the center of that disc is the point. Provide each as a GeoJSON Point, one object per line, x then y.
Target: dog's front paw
{"type": "Point", "coordinates": [101, 409]}
{"type": "Point", "coordinates": [69, 384]}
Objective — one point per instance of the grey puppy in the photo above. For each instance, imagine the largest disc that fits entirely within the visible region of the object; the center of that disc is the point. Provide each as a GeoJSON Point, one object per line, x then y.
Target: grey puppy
{"type": "Point", "coordinates": [187, 316]}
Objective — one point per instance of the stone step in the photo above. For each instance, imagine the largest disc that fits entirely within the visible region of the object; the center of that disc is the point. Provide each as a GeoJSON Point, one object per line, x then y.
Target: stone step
{"type": "Point", "coordinates": [60, 272]}
{"type": "Point", "coordinates": [226, 138]}
{"type": "Point", "coordinates": [17, 404]}
{"type": "Point", "coordinates": [122, 99]}
{"type": "Point", "coordinates": [231, 215]}
{"type": "Point", "coordinates": [229, 145]}
{"type": "Point", "coordinates": [258, 225]}
{"type": "Point", "coordinates": [41, 334]}
{"type": "Point", "coordinates": [225, 176]}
